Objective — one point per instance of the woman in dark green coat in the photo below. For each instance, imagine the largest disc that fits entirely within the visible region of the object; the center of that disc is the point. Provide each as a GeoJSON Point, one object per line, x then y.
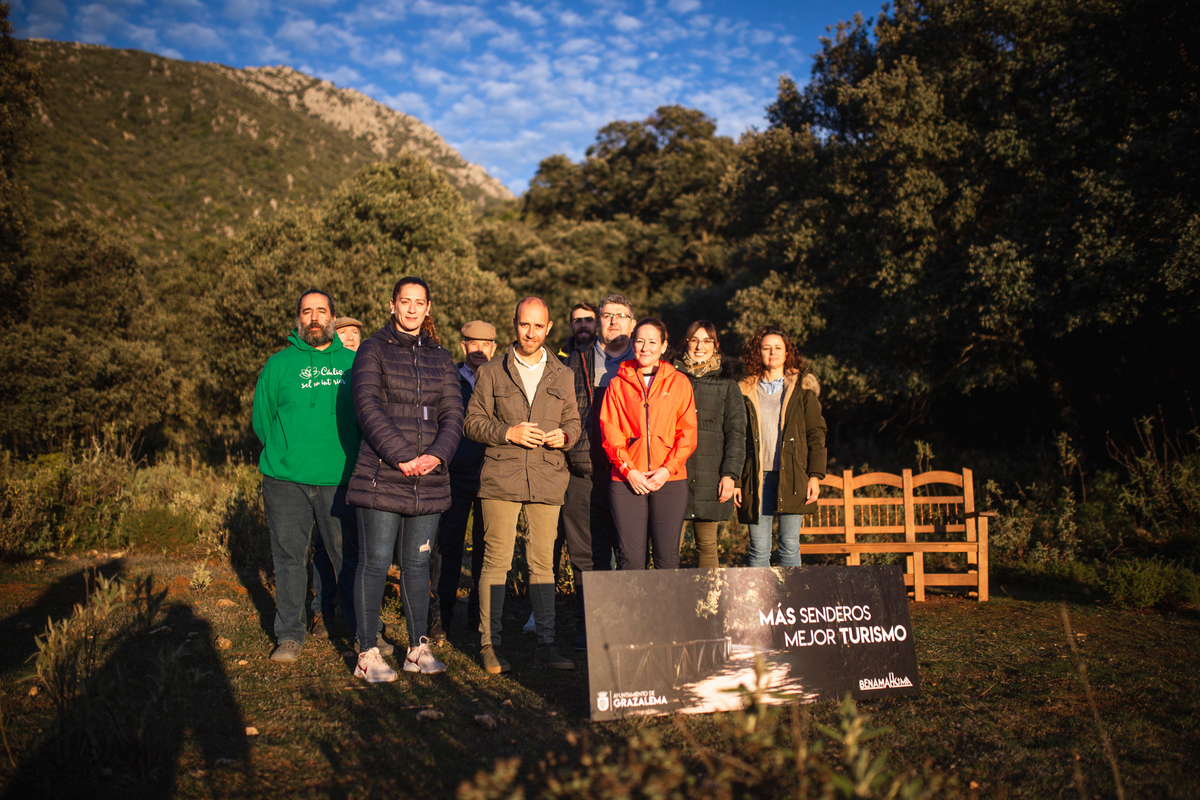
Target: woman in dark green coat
{"type": "Point", "coordinates": [721, 439]}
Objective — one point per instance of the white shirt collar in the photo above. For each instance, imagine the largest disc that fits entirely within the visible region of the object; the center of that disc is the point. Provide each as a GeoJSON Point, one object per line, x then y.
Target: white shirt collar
{"type": "Point", "coordinates": [534, 365]}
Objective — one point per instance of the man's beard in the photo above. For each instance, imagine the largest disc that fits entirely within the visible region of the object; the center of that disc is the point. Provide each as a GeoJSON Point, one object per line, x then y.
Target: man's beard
{"type": "Point", "coordinates": [585, 336]}
{"type": "Point", "coordinates": [315, 337]}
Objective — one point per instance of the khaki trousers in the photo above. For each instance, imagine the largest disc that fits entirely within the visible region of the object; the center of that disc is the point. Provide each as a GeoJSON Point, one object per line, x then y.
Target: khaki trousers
{"type": "Point", "coordinates": [499, 539]}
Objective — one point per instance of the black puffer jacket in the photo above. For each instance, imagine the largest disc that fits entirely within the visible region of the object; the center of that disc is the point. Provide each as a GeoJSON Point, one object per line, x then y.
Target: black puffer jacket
{"type": "Point", "coordinates": [408, 403]}
{"type": "Point", "coordinates": [587, 455]}
{"type": "Point", "coordinates": [720, 444]}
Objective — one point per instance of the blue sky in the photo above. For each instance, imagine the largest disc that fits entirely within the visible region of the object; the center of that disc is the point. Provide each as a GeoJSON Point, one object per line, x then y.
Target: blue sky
{"type": "Point", "coordinates": [506, 83]}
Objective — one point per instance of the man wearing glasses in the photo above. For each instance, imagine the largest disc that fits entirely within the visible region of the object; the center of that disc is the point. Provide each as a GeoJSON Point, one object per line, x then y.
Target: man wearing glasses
{"type": "Point", "coordinates": [586, 514]}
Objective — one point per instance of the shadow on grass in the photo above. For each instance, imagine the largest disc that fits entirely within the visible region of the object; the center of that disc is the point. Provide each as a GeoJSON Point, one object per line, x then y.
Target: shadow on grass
{"type": "Point", "coordinates": [147, 703]}
{"type": "Point", "coordinates": [18, 630]}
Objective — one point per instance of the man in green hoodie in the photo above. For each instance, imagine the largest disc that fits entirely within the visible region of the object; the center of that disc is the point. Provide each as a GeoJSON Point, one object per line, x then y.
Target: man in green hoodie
{"type": "Point", "coordinates": [304, 416]}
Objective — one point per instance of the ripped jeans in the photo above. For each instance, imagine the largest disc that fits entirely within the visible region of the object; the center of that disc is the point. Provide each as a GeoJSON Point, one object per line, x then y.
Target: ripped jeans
{"type": "Point", "coordinates": [380, 535]}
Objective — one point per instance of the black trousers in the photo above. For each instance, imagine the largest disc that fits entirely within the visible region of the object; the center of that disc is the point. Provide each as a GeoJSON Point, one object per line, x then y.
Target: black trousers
{"type": "Point", "coordinates": [643, 519]}
{"type": "Point", "coordinates": [445, 564]}
{"type": "Point", "coordinates": [591, 534]}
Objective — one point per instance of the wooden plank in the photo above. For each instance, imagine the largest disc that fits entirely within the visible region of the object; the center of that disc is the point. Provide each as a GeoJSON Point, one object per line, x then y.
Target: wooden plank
{"type": "Point", "coordinates": [969, 510]}
{"type": "Point", "coordinates": [848, 498]}
{"type": "Point", "coordinates": [890, 547]}
{"type": "Point", "coordinates": [878, 501]}
{"type": "Point", "coordinates": [983, 557]}
{"type": "Point", "coordinates": [937, 476]}
{"type": "Point", "coordinates": [941, 528]}
{"type": "Point", "coordinates": [945, 579]}
{"type": "Point", "coordinates": [917, 559]}
{"type": "Point", "coordinates": [873, 479]}
{"type": "Point", "coordinates": [926, 500]}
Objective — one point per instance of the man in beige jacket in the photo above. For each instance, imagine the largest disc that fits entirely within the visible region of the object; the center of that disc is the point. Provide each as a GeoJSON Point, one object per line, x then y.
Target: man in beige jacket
{"type": "Point", "coordinates": [524, 410]}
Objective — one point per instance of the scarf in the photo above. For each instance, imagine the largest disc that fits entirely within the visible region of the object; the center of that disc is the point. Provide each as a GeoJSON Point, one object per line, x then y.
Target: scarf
{"type": "Point", "coordinates": [702, 368]}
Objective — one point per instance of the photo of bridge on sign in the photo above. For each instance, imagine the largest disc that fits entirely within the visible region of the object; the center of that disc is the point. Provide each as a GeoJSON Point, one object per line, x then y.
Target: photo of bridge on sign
{"type": "Point", "coordinates": [693, 641]}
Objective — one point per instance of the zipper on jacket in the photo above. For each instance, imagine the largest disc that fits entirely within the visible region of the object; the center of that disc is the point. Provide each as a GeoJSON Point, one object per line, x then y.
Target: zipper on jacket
{"type": "Point", "coordinates": [417, 483]}
{"type": "Point", "coordinates": [646, 404]}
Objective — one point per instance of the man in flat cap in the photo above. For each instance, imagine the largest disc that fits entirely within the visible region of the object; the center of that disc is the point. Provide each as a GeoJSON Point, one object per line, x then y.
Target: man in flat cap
{"type": "Point", "coordinates": [350, 331]}
{"type": "Point", "coordinates": [478, 346]}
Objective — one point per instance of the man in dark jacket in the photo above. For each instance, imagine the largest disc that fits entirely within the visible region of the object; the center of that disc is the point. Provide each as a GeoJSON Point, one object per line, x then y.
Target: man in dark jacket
{"type": "Point", "coordinates": [582, 322]}
{"type": "Point", "coordinates": [587, 516]}
{"type": "Point", "coordinates": [523, 409]}
{"type": "Point", "coordinates": [478, 347]}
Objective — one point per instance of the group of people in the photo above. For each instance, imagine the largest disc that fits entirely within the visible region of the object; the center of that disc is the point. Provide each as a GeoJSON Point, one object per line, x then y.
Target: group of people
{"type": "Point", "coordinates": [607, 447]}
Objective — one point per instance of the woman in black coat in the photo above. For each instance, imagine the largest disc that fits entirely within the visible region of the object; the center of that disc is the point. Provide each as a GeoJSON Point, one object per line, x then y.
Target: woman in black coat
{"type": "Point", "coordinates": [721, 439]}
{"type": "Point", "coordinates": [410, 410]}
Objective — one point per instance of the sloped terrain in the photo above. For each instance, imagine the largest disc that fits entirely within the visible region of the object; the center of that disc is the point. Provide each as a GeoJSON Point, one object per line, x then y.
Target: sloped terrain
{"type": "Point", "coordinates": [168, 152]}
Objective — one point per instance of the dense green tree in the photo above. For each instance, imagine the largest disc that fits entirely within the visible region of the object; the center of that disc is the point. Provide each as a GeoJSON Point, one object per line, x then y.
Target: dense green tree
{"type": "Point", "coordinates": [82, 355]}
{"type": "Point", "coordinates": [656, 186]}
{"type": "Point", "coordinates": [390, 220]}
{"type": "Point", "coordinates": [19, 91]}
{"type": "Point", "coordinates": [990, 197]}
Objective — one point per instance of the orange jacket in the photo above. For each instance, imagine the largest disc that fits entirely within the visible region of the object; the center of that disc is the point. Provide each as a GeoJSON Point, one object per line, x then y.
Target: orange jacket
{"type": "Point", "coordinates": [665, 417]}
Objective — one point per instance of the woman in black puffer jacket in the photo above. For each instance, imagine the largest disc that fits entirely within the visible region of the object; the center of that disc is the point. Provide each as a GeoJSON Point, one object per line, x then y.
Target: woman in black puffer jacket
{"type": "Point", "coordinates": [721, 439]}
{"type": "Point", "coordinates": [409, 407]}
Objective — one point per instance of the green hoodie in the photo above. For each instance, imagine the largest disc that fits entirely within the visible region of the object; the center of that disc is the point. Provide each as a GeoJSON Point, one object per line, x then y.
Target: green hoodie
{"type": "Point", "coordinates": [304, 415]}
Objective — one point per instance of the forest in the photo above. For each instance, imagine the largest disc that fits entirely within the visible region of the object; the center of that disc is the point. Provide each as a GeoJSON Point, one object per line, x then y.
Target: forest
{"type": "Point", "coordinates": [980, 219]}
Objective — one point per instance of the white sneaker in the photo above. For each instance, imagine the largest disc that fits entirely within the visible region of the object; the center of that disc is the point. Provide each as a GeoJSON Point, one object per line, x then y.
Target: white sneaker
{"type": "Point", "coordinates": [530, 627]}
{"type": "Point", "coordinates": [421, 659]}
{"type": "Point", "coordinates": [373, 669]}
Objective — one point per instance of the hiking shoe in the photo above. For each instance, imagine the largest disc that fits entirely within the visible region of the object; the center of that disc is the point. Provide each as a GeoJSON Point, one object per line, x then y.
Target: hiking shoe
{"type": "Point", "coordinates": [420, 659]}
{"type": "Point", "coordinates": [384, 647]}
{"type": "Point", "coordinates": [492, 661]}
{"type": "Point", "coordinates": [437, 634]}
{"type": "Point", "coordinates": [530, 626]}
{"type": "Point", "coordinates": [373, 669]}
{"type": "Point", "coordinates": [548, 654]}
{"type": "Point", "coordinates": [319, 629]}
{"type": "Point", "coordinates": [286, 651]}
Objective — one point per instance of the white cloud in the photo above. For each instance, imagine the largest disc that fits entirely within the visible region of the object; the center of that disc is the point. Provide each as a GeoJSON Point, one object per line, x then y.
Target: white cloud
{"type": "Point", "coordinates": [193, 34]}
{"type": "Point", "coordinates": [243, 9]}
{"type": "Point", "coordinates": [683, 6]}
{"type": "Point", "coordinates": [571, 20]}
{"type": "Point", "coordinates": [625, 23]}
{"type": "Point", "coordinates": [46, 18]}
{"type": "Point", "coordinates": [390, 57]}
{"type": "Point", "coordinates": [526, 14]}
{"type": "Point", "coordinates": [342, 76]}
{"type": "Point", "coordinates": [573, 46]}
{"type": "Point", "coordinates": [410, 103]}
{"type": "Point", "coordinates": [761, 37]}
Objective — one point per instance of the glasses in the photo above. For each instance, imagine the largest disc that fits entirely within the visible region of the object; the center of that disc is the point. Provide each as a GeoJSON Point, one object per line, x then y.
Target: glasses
{"type": "Point", "coordinates": [607, 316]}
{"type": "Point", "coordinates": [697, 341]}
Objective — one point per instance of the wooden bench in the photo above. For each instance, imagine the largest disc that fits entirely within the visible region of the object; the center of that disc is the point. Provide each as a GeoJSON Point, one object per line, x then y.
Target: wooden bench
{"type": "Point", "coordinates": [865, 514]}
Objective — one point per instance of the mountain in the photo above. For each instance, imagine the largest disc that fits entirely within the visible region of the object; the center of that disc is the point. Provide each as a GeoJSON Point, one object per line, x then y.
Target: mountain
{"type": "Point", "coordinates": [169, 152]}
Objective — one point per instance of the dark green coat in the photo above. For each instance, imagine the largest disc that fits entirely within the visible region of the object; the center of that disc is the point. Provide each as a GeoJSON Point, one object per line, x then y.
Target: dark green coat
{"type": "Point", "coordinates": [802, 453]}
{"type": "Point", "coordinates": [720, 444]}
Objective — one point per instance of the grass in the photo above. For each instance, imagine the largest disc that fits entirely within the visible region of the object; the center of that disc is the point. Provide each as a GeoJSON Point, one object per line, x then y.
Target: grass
{"type": "Point", "coordinates": [1003, 708]}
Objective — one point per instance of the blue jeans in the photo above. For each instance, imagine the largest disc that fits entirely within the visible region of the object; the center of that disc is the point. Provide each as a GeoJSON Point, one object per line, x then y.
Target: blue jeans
{"type": "Point", "coordinates": [291, 509]}
{"type": "Point", "coordinates": [760, 532]}
{"type": "Point", "coordinates": [380, 535]}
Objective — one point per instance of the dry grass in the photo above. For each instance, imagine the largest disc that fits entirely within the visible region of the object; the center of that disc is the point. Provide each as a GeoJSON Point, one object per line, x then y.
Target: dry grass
{"type": "Point", "coordinates": [1003, 706]}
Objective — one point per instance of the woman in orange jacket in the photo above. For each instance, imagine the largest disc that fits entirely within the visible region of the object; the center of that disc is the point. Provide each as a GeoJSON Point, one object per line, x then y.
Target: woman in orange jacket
{"type": "Point", "coordinates": [648, 422]}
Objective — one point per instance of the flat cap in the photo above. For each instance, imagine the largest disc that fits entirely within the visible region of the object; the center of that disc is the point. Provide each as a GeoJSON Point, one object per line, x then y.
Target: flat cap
{"type": "Point", "coordinates": [478, 329]}
{"type": "Point", "coordinates": [346, 322]}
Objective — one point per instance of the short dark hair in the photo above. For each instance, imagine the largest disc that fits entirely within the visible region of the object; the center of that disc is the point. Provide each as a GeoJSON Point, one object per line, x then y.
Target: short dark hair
{"type": "Point", "coordinates": [323, 293]}
{"type": "Point", "coordinates": [586, 307]}
{"type": "Point", "coordinates": [616, 300]}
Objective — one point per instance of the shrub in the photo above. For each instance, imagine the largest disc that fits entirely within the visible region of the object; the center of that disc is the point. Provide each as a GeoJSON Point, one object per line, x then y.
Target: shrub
{"type": "Point", "coordinates": [1149, 582]}
{"type": "Point", "coordinates": [757, 752]}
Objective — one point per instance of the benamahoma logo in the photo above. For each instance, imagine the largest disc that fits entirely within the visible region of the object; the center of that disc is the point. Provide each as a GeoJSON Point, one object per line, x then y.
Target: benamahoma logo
{"type": "Point", "coordinates": [890, 682]}
{"type": "Point", "coordinates": [602, 701]}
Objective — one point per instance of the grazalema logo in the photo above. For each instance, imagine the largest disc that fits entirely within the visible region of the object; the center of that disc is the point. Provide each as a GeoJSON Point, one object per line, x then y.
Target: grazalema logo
{"type": "Point", "coordinates": [602, 701]}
